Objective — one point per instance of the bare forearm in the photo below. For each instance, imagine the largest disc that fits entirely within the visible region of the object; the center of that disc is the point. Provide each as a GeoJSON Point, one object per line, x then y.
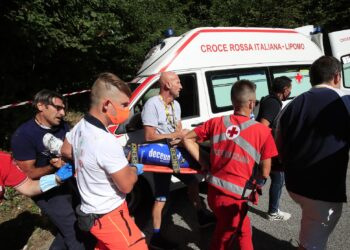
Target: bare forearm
{"type": "Point", "coordinates": [265, 168]}
{"type": "Point", "coordinates": [36, 173]}
{"type": "Point", "coordinates": [29, 188]}
{"type": "Point", "coordinates": [132, 178]}
{"type": "Point", "coordinates": [195, 151]}
{"type": "Point", "coordinates": [193, 148]}
{"type": "Point", "coordinates": [156, 137]}
{"type": "Point", "coordinates": [125, 179]}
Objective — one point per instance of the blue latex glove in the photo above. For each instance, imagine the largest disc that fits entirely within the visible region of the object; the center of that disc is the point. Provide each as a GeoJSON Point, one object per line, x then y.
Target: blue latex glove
{"type": "Point", "coordinates": [139, 168]}
{"type": "Point", "coordinates": [65, 172]}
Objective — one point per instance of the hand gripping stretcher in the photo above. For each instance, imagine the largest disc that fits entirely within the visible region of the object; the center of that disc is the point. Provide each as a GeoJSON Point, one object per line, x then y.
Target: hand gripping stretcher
{"type": "Point", "coordinates": [162, 158]}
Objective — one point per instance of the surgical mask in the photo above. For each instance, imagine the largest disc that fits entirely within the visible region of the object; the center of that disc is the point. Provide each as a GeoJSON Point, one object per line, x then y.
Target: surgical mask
{"type": "Point", "coordinates": [121, 116]}
{"type": "Point", "coordinates": [252, 116]}
{"type": "Point", "coordinates": [286, 97]}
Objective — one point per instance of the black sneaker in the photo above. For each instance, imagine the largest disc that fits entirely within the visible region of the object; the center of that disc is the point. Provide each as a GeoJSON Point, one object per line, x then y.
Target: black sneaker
{"type": "Point", "coordinates": [159, 243]}
{"type": "Point", "coordinates": [205, 218]}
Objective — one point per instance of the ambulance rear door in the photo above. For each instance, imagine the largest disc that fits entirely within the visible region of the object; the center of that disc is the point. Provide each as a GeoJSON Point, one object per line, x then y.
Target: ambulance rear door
{"type": "Point", "coordinates": [340, 45]}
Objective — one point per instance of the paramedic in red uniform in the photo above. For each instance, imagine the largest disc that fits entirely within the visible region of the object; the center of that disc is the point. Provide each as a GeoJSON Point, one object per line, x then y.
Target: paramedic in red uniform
{"type": "Point", "coordinates": [240, 161]}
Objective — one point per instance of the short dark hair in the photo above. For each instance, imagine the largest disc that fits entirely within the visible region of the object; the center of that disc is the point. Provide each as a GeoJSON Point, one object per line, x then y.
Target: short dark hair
{"type": "Point", "coordinates": [105, 82]}
{"type": "Point", "coordinates": [280, 83]}
{"type": "Point", "coordinates": [45, 97]}
{"type": "Point", "coordinates": [324, 69]}
{"type": "Point", "coordinates": [241, 91]}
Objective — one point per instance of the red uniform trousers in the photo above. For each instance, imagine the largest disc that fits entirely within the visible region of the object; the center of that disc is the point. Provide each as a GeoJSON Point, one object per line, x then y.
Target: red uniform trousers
{"type": "Point", "coordinates": [233, 224]}
{"type": "Point", "coordinates": [118, 231]}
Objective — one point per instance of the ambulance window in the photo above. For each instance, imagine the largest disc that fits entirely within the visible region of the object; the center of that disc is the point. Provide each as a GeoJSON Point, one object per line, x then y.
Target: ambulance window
{"type": "Point", "coordinates": [220, 84]}
{"type": "Point", "coordinates": [222, 89]}
{"type": "Point", "coordinates": [346, 70]}
{"type": "Point", "coordinates": [152, 91]}
{"type": "Point", "coordinates": [259, 78]}
{"type": "Point", "coordinates": [135, 122]}
{"type": "Point", "coordinates": [188, 98]}
{"type": "Point", "coordinates": [299, 76]}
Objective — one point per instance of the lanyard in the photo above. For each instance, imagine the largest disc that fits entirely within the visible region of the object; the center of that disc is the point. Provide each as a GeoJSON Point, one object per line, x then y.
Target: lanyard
{"type": "Point", "coordinates": [172, 121]}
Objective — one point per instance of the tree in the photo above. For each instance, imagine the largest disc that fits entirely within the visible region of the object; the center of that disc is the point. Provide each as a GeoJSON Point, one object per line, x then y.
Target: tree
{"type": "Point", "coordinates": [63, 44]}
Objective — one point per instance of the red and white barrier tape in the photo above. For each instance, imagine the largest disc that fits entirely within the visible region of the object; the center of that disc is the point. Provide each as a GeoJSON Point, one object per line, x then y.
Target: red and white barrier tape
{"type": "Point", "coordinates": [77, 92]}
{"type": "Point", "coordinates": [29, 102]}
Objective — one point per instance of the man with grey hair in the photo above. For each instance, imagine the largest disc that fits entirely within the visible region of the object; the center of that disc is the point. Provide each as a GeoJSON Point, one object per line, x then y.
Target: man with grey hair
{"type": "Point", "coordinates": [313, 137]}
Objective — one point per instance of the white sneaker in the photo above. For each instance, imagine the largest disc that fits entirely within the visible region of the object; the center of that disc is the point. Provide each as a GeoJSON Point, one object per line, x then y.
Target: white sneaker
{"type": "Point", "coordinates": [278, 216]}
{"type": "Point", "coordinates": [53, 144]}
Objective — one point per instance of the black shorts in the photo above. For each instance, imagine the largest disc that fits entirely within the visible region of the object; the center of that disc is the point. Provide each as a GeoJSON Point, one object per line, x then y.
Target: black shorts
{"type": "Point", "coordinates": [162, 183]}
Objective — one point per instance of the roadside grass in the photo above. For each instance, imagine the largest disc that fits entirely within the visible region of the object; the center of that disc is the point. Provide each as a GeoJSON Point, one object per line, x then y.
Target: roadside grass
{"type": "Point", "coordinates": [21, 224]}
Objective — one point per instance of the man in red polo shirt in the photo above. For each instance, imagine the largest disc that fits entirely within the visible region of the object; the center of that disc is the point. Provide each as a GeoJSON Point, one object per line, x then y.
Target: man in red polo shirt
{"type": "Point", "coordinates": [240, 161]}
{"type": "Point", "coordinates": [12, 176]}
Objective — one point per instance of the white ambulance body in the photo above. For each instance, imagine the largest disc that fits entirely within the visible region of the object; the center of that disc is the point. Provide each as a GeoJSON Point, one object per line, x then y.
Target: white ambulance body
{"type": "Point", "coordinates": [340, 45]}
{"type": "Point", "coordinates": [339, 42]}
{"type": "Point", "coordinates": [209, 60]}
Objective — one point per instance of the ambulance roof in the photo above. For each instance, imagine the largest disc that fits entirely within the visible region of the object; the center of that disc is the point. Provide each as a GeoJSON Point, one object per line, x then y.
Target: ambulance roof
{"type": "Point", "coordinates": [225, 46]}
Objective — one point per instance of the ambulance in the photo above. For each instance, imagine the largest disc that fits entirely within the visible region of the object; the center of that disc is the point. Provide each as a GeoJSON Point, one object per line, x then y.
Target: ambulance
{"type": "Point", "coordinates": [209, 60]}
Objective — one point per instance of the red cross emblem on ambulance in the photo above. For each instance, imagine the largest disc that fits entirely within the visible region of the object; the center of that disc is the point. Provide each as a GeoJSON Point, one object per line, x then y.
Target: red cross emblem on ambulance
{"type": "Point", "coordinates": [232, 132]}
{"type": "Point", "coordinates": [299, 77]}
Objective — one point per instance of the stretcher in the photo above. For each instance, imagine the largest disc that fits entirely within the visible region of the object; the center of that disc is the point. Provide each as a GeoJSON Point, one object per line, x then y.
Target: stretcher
{"type": "Point", "coordinates": [162, 158]}
{"type": "Point", "coordinates": [156, 157]}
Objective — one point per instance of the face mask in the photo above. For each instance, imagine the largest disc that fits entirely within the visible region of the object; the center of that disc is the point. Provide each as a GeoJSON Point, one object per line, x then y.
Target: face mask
{"type": "Point", "coordinates": [121, 116]}
{"type": "Point", "coordinates": [286, 97]}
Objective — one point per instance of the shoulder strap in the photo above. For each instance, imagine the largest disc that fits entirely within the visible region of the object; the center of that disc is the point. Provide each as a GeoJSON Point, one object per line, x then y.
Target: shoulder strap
{"type": "Point", "coordinates": [173, 158]}
{"type": "Point", "coordinates": [134, 153]}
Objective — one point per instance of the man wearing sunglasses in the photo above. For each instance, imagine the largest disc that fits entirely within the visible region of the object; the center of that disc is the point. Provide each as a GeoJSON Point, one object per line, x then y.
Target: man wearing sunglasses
{"type": "Point", "coordinates": [34, 160]}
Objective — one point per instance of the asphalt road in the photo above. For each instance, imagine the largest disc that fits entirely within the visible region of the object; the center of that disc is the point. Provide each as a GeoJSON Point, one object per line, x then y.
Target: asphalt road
{"type": "Point", "coordinates": [180, 224]}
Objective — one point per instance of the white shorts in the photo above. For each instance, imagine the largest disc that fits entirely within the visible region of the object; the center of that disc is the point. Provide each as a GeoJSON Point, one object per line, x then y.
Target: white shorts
{"type": "Point", "coordinates": [318, 220]}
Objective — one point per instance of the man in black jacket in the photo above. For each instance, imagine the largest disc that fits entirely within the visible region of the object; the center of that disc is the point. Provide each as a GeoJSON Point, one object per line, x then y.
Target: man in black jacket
{"type": "Point", "coordinates": [270, 106]}
{"type": "Point", "coordinates": [314, 138]}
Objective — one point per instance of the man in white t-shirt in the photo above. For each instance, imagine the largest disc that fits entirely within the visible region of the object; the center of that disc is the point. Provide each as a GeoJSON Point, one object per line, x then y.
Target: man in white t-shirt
{"type": "Point", "coordinates": [104, 176]}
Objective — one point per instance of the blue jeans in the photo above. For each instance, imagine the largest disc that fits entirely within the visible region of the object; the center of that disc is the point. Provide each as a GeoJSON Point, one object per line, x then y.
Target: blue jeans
{"type": "Point", "coordinates": [277, 182]}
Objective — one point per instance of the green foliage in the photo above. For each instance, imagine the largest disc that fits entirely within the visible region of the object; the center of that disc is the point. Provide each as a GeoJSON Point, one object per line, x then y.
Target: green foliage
{"type": "Point", "coordinates": [63, 44]}
{"type": "Point", "coordinates": [15, 202]}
